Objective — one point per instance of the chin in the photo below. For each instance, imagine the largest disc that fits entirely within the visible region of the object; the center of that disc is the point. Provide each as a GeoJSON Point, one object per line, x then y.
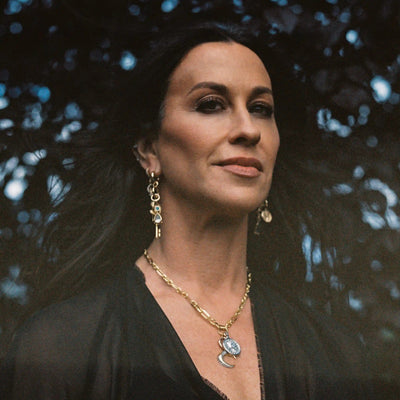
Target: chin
{"type": "Point", "coordinates": [229, 200]}
{"type": "Point", "coordinates": [245, 200]}
{"type": "Point", "coordinates": [235, 207]}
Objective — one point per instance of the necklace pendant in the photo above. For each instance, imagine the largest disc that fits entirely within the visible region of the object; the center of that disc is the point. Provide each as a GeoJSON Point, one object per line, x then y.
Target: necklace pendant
{"type": "Point", "coordinates": [230, 347]}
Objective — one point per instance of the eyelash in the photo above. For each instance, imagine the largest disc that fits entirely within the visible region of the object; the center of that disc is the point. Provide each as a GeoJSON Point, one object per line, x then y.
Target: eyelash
{"type": "Point", "coordinates": [204, 105]}
{"type": "Point", "coordinates": [212, 104]}
{"type": "Point", "coordinates": [267, 111]}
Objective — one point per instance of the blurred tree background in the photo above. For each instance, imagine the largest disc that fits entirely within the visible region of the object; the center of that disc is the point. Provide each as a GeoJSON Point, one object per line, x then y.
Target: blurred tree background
{"type": "Point", "coordinates": [58, 60]}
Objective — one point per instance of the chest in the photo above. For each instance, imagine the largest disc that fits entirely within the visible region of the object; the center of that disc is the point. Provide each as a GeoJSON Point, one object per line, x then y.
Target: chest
{"type": "Point", "coordinates": [242, 381]}
{"type": "Point", "coordinates": [174, 351]}
{"type": "Point", "coordinates": [204, 347]}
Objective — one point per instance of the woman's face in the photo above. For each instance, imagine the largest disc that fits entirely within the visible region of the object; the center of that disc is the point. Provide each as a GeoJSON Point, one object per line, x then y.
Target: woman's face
{"type": "Point", "coordinates": [218, 138]}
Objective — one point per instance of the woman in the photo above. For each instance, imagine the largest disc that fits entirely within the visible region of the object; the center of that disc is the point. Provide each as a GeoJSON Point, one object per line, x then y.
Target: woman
{"type": "Point", "coordinates": [189, 320]}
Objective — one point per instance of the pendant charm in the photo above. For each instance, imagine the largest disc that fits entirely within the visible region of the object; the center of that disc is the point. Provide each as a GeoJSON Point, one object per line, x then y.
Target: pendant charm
{"type": "Point", "coordinates": [230, 347]}
{"type": "Point", "coordinates": [157, 218]}
{"type": "Point", "coordinates": [263, 214]}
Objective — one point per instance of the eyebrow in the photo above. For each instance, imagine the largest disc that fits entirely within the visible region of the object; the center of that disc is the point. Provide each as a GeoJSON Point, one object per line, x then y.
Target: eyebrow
{"type": "Point", "coordinates": [256, 91]}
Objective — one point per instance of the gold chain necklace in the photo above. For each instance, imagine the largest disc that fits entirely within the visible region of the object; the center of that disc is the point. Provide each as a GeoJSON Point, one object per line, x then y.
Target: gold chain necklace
{"type": "Point", "coordinates": [228, 345]}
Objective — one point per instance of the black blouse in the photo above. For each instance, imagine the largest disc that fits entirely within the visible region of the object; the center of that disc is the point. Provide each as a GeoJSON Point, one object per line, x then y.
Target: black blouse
{"type": "Point", "coordinates": [115, 342]}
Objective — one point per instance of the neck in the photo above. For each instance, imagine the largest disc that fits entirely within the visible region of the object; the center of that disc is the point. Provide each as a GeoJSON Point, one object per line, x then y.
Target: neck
{"type": "Point", "coordinates": [201, 249]}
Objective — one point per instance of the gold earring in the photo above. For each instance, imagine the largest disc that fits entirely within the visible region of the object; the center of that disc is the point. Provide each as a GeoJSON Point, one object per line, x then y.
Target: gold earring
{"type": "Point", "coordinates": [264, 214]}
{"type": "Point", "coordinates": [155, 211]}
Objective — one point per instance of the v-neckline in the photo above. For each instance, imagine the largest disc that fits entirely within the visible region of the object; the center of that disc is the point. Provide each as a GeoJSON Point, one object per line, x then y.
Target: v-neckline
{"type": "Point", "coordinates": [187, 362]}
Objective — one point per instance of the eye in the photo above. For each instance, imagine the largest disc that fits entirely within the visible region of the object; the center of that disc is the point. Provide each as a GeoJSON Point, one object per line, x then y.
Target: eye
{"type": "Point", "coordinates": [210, 105]}
{"type": "Point", "coordinates": [264, 110]}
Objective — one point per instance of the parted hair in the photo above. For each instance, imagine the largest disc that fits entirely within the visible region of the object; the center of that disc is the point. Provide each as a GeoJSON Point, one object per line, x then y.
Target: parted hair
{"type": "Point", "coordinates": [102, 223]}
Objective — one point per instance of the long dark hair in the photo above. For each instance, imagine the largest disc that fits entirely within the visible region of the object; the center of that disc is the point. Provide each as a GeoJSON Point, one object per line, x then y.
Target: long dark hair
{"type": "Point", "coordinates": [102, 223]}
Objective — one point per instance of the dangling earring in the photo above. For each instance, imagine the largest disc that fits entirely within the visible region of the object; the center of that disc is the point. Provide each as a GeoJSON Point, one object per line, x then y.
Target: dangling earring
{"type": "Point", "coordinates": [155, 211]}
{"type": "Point", "coordinates": [262, 214]}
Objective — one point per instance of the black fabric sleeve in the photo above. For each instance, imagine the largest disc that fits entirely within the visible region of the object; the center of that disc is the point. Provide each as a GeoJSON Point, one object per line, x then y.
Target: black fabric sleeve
{"type": "Point", "coordinates": [49, 355]}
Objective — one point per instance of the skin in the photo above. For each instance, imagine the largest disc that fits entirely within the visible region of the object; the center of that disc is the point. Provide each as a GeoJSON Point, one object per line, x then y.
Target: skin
{"type": "Point", "coordinates": [205, 124]}
{"type": "Point", "coordinates": [218, 112]}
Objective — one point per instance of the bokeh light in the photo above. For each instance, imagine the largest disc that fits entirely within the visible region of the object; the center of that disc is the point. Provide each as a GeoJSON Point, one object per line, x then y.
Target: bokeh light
{"type": "Point", "coordinates": [127, 61]}
{"type": "Point", "coordinates": [381, 89]}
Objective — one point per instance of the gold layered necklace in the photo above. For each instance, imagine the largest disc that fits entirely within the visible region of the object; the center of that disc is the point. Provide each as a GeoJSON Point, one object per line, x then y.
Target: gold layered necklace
{"type": "Point", "coordinates": [229, 346]}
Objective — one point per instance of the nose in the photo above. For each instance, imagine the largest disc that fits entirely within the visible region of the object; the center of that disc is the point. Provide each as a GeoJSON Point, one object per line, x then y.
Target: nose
{"type": "Point", "coordinates": [245, 130]}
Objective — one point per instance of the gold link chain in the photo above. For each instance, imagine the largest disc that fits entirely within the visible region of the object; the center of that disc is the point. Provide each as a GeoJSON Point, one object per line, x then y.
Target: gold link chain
{"type": "Point", "coordinates": [222, 328]}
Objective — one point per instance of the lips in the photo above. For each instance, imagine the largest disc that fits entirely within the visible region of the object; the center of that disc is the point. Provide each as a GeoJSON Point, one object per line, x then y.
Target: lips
{"type": "Point", "coordinates": [243, 162]}
{"type": "Point", "coordinates": [244, 167]}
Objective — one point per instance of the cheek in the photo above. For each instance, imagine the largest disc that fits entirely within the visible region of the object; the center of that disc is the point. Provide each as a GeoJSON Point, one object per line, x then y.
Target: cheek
{"type": "Point", "coordinates": [182, 139]}
{"type": "Point", "coordinates": [271, 145]}
{"type": "Point", "coordinates": [277, 143]}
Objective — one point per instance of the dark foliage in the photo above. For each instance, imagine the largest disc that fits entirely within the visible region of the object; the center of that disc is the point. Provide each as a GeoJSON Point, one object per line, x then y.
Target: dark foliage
{"type": "Point", "coordinates": [60, 63]}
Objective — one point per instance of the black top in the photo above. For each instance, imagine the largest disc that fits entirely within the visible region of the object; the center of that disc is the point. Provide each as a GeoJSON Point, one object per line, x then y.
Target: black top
{"type": "Point", "coordinates": [115, 342]}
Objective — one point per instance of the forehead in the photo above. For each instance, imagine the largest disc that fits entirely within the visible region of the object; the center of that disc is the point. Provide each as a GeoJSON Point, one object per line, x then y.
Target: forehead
{"type": "Point", "coordinates": [229, 63]}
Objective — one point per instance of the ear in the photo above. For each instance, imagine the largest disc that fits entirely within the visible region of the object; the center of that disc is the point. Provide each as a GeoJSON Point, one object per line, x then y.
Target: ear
{"type": "Point", "coordinates": [145, 151]}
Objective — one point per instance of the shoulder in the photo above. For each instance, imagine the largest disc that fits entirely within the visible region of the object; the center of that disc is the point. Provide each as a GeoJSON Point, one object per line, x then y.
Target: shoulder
{"type": "Point", "coordinates": [288, 303]}
{"type": "Point", "coordinates": [320, 335]}
{"type": "Point", "coordinates": [51, 352]}
{"type": "Point", "coordinates": [314, 347]}
{"type": "Point", "coordinates": [335, 350]}
{"type": "Point", "coordinates": [75, 317]}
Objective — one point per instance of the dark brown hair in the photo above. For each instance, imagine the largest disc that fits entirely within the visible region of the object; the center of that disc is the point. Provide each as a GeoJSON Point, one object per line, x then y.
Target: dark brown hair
{"type": "Point", "coordinates": [101, 224]}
